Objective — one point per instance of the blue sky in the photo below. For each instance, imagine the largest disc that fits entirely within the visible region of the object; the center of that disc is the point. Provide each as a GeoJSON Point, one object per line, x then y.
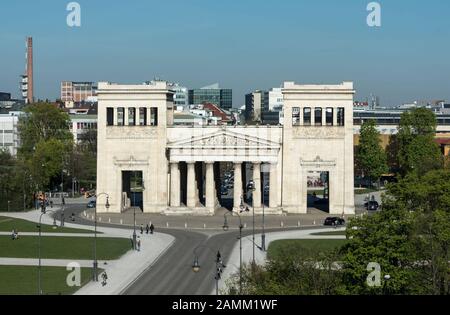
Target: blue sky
{"type": "Point", "coordinates": [243, 45]}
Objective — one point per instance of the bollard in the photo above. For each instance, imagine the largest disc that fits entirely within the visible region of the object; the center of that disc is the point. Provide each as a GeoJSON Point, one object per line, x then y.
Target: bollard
{"type": "Point", "coordinates": [298, 224]}
{"type": "Point", "coordinates": [109, 220]}
{"type": "Point", "coordinates": [84, 213]}
{"type": "Point", "coordinates": [204, 226]}
{"type": "Point", "coordinates": [245, 225]}
{"type": "Point", "coordinates": [314, 222]}
{"type": "Point", "coordinates": [100, 219]}
{"type": "Point", "coordinates": [121, 222]}
{"type": "Point", "coordinates": [282, 224]}
{"type": "Point", "coordinates": [185, 225]}
{"type": "Point", "coordinates": [167, 224]}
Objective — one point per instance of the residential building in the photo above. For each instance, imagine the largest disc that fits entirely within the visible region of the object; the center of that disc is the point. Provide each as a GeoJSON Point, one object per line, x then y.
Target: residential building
{"type": "Point", "coordinates": [79, 124]}
{"type": "Point", "coordinates": [276, 99]}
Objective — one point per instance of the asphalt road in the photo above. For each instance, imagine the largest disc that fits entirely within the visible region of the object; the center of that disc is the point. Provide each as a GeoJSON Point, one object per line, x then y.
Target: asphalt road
{"type": "Point", "coordinates": [172, 274]}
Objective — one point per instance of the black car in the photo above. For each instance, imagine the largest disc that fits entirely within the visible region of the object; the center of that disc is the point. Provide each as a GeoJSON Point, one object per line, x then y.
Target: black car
{"type": "Point", "coordinates": [334, 221]}
{"type": "Point", "coordinates": [92, 204]}
{"type": "Point", "coordinates": [372, 206]}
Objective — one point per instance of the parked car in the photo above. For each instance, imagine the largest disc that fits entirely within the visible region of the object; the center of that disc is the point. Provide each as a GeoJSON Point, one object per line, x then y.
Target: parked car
{"type": "Point", "coordinates": [372, 205]}
{"type": "Point", "coordinates": [334, 221]}
{"type": "Point", "coordinates": [91, 204]}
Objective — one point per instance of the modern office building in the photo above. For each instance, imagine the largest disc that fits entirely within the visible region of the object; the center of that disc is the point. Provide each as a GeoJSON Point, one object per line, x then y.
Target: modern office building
{"type": "Point", "coordinates": [276, 99]}
{"type": "Point", "coordinates": [212, 94]}
{"type": "Point", "coordinates": [9, 135]}
{"type": "Point", "coordinates": [255, 103]}
{"type": "Point", "coordinates": [181, 96]}
{"type": "Point", "coordinates": [76, 92]}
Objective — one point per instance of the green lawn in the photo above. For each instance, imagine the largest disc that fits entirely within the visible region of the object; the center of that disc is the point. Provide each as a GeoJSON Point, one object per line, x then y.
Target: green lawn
{"type": "Point", "coordinates": [80, 248]}
{"type": "Point", "coordinates": [333, 233]}
{"type": "Point", "coordinates": [277, 248]}
{"type": "Point", "coordinates": [8, 224]}
{"type": "Point", "coordinates": [18, 280]}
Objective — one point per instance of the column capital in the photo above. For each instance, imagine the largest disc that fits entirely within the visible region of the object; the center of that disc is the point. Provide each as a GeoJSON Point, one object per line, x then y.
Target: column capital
{"type": "Point", "coordinates": [257, 163]}
{"type": "Point", "coordinates": [210, 162]}
{"type": "Point", "coordinates": [190, 162]}
{"type": "Point", "coordinates": [238, 162]}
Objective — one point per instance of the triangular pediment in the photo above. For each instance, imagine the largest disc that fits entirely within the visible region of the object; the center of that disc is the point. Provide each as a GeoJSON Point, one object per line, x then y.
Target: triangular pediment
{"type": "Point", "coordinates": [225, 139]}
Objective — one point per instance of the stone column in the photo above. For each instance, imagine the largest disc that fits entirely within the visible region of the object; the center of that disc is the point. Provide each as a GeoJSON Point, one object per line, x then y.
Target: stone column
{"type": "Point", "coordinates": [257, 180]}
{"type": "Point", "coordinates": [273, 193]}
{"type": "Point", "coordinates": [191, 185]}
{"type": "Point", "coordinates": [175, 197]}
{"type": "Point", "coordinates": [210, 201]}
{"type": "Point", "coordinates": [237, 185]}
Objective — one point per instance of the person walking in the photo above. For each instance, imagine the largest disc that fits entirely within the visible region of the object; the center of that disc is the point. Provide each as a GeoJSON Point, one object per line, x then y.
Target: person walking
{"type": "Point", "coordinates": [142, 229]}
{"type": "Point", "coordinates": [139, 245]}
{"type": "Point", "coordinates": [147, 229]}
{"type": "Point", "coordinates": [152, 228]}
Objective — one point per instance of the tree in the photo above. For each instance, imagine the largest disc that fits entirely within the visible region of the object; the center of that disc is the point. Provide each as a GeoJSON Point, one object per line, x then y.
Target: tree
{"type": "Point", "coordinates": [409, 239]}
{"type": "Point", "coordinates": [291, 273]}
{"type": "Point", "coordinates": [417, 150]}
{"type": "Point", "coordinates": [371, 158]}
{"type": "Point", "coordinates": [46, 139]}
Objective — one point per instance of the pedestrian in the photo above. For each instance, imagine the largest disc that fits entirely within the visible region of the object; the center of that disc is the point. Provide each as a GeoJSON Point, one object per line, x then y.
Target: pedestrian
{"type": "Point", "coordinates": [147, 229]}
{"type": "Point", "coordinates": [132, 243]}
{"type": "Point", "coordinates": [152, 228]}
{"type": "Point", "coordinates": [142, 229]}
{"type": "Point", "coordinates": [139, 245]}
{"type": "Point", "coordinates": [13, 234]}
{"type": "Point", "coordinates": [105, 278]}
{"type": "Point", "coordinates": [51, 204]}
{"type": "Point", "coordinates": [17, 234]}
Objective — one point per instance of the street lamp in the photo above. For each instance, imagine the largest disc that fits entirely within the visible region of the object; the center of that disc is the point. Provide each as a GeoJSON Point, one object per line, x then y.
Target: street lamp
{"type": "Point", "coordinates": [386, 280]}
{"type": "Point", "coordinates": [226, 227]}
{"type": "Point", "coordinates": [219, 265]}
{"type": "Point", "coordinates": [263, 235]}
{"type": "Point", "coordinates": [39, 247]}
{"type": "Point", "coordinates": [9, 202]}
{"type": "Point", "coordinates": [251, 187]}
{"type": "Point", "coordinates": [95, 273]}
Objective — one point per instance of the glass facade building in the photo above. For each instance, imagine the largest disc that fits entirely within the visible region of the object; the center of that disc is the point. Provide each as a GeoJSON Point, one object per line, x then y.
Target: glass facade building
{"type": "Point", "coordinates": [220, 97]}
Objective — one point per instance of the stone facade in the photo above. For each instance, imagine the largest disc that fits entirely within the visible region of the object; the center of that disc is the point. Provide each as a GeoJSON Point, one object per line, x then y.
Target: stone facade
{"type": "Point", "coordinates": [179, 165]}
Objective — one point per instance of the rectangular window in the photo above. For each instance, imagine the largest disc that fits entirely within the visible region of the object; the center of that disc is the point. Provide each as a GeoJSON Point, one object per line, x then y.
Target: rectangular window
{"type": "Point", "coordinates": [154, 116]}
{"type": "Point", "coordinates": [120, 116]}
{"type": "Point", "coordinates": [296, 116]}
{"type": "Point", "coordinates": [142, 116]}
{"type": "Point", "coordinates": [330, 112]}
{"type": "Point", "coordinates": [341, 116]}
{"type": "Point", "coordinates": [307, 116]}
{"type": "Point", "coordinates": [318, 116]}
{"type": "Point", "coordinates": [131, 116]}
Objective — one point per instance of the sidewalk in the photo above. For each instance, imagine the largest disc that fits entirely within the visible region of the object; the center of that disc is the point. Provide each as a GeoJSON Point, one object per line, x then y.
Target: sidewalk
{"type": "Point", "coordinates": [121, 273]}
{"type": "Point", "coordinates": [44, 262]}
{"type": "Point", "coordinates": [260, 256]}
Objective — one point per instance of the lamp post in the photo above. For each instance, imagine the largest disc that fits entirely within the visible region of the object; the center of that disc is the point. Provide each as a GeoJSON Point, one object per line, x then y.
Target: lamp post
{"type": "Point", "coordinates": [95, 264]}
{"type": "Point", "coordinates": [263, 235]}
{"type": "Point", "coordinates": [219, 265]}
{"type": "Point", "coordinates": [226, 227]}
{"type": "Point", "coordinates": [9, 202]}
{"type": "Point", "coordinates": [251, 187]}
{"type": "Point", "coordinates": [39, 246]}
{"type": "Point", "coordinates": [386, 280]}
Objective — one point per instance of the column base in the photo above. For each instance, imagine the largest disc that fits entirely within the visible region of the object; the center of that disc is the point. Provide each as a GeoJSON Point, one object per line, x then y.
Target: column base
{"type": "Point", "coordinates": [184, 211]}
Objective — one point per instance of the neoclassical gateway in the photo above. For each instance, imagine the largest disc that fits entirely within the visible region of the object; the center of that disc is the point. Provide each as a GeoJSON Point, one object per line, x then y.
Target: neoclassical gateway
{"type": "Point", "coordinates": [180, 166]}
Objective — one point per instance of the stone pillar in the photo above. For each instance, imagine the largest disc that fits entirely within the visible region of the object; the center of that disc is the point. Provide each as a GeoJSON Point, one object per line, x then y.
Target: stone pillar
{"type": "Point", "coordinates": [257, 180]}
{"type": "Point", "coordinates": [273, 193]}
{"type": "Point", "coordinates": [175, 196]}
{"type": "Point", "coordinates": [210, 201]}
{"type": "Point", "coordinates": [237, 186]}
{"type": "Point", "coordinates": [191, 185]}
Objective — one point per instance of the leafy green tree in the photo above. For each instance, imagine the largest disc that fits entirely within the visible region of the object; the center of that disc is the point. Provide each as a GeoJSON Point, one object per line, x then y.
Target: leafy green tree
{"type": "Point", "coordinates": [417, 150]}
{"type": "Point", "coordinates": [291, 273]}
{"type": "Point", "coordinates": [371, 158]}
{"type": "Point", "coordinates": [46, 139]}
{"type": "Point", "coordinates": [409, 239]}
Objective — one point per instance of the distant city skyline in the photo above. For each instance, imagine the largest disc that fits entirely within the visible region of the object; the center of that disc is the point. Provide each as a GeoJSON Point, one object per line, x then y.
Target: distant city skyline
{"type": "Point", "coordinates": [244, 46]}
